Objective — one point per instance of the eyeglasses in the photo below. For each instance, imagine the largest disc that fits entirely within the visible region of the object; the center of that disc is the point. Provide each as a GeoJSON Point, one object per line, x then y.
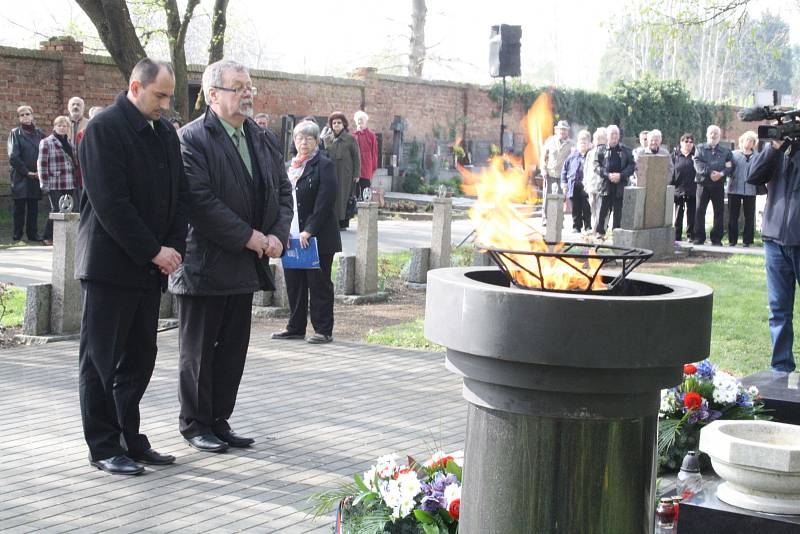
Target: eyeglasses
{"type": "Point", "coordinates": [238, 91]}
{"type": "Point", "coordinates": [688, 140]}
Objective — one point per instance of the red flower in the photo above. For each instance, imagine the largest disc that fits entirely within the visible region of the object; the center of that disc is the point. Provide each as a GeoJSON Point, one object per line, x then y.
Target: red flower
{"type": "Point", "coordinates": [689, 369]}
{"type": "Point", "coordinates": [401, 472]}
{"type": "Point", "coordinates": [454, 509]}
{"type": "Point", "coordinates": [441, 462]}
{"type": "Point", "coordinates": [692, 400]}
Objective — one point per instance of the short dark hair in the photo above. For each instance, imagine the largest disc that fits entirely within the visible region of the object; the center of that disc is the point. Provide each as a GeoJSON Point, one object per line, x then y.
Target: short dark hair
{"type": "Point", "coordinates": [338, 115]}
{"type": "Point", "coordinates": [687, 137]}
{"type": "Point", "coordinates": [643, 132]}
{"type": "Point", "coordinates": [147, 70]}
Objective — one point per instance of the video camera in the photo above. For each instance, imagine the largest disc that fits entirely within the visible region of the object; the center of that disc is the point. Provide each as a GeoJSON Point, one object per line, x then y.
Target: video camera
{"type": "Point", "coordinates": [786, 127]}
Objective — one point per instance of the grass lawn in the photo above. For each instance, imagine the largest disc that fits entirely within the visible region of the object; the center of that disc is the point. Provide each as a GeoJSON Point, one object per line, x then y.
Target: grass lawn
{"type": "Point", "coordinates": [740, 341]}
{"type": "Point", "coordinates": [13, 300]}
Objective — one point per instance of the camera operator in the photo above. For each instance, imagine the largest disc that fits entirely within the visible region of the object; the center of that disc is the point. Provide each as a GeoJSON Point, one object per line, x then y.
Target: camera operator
{"type": "Point", "coordinates": [778, 166]}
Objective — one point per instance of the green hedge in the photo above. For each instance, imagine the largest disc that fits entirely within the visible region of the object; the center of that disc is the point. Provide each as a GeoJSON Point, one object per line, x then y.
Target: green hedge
{"type": "Point", "coordinates": [634, 105]}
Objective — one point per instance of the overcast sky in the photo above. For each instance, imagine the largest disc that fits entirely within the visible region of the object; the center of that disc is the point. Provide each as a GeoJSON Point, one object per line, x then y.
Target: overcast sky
{"type": "Point", "coordinates": [332, 38]}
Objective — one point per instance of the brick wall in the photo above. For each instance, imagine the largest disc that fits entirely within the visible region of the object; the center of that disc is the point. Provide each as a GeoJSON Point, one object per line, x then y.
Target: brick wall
{"type": "Point", "coordinates": [45, 79]}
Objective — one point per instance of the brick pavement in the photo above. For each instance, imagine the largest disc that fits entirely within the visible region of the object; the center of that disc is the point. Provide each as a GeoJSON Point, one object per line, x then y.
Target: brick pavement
{"type": "Point", "coordinates": [318, 413]}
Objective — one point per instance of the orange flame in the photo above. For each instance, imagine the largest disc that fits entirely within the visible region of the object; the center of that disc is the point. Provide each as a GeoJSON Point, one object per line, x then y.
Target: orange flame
{"type": "Point", "coordinates": [502, 210]}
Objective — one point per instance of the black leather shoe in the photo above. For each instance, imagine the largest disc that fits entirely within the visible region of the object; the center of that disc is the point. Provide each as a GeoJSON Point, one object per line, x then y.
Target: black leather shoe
{"type": "Point", "coordinates": [230, 437]}
{"type": "Point", "coordinates": [152, 457]}
{"type": "Point", "coordinates": [319, 338]}
{"type": "Point", "coordinates": [207, 443]}
{"type": "Point", "coordinates": [717, 243]}
{"type": "Point", "coordinates": [286, 334]}
{"type": "Point", "coordinates": [118, 465]}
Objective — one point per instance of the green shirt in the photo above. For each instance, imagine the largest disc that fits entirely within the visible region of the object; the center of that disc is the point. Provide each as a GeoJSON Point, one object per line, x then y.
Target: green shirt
{"type": "Point", "coordinates": [240, 142]}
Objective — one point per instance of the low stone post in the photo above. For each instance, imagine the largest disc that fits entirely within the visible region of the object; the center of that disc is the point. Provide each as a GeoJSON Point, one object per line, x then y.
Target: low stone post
{"type": "Point", "coordinates": [441, 237]}
{"type": "Point", "coordinates": [554, 211]}
{"type": "Point", "coordinates": [36, 321]}
{"type": "Point", "coordinates": [366, 275]}
{"type": "Point", "coordinates": [280, 298]}
{"type": "Point", "coordinates": [669, 206]}
{"type": "Point", "coordinates": [65, 307]}
{"type": "Point", "coordinates": [345, 275]}
{"type": "Point", "coordinates": [418, 265]}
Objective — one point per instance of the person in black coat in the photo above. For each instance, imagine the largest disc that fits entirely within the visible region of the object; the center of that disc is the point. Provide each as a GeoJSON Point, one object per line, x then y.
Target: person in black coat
{"type": "Point", "coordinates": [131, 234]}
{"type": "Point", "coordinates": [314, 186]}
{"type": "Point", "coordinates": [23, 151]}
{"type": "Point", "coordinates": [241, 207]}
{"type": "Point", "coordinates": [683, 178]}
{"type": "Point", "coordinates": [614, 163]}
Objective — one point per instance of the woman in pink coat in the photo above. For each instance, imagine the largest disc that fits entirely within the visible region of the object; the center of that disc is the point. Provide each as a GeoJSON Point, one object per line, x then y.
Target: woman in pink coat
{"type": "Point", "coordinates": [368, 145]}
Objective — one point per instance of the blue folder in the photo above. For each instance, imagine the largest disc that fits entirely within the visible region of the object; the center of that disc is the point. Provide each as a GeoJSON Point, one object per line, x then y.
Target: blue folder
{"type": "Point", "coordinates": [301, 258]}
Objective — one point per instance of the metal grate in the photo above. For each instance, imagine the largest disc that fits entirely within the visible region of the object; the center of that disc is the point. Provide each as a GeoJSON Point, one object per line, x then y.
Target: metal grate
{"type": "Point", "coordinates": [630, 258]}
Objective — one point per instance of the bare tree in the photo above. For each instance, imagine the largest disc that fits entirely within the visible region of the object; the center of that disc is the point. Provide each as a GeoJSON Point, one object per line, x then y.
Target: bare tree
{"type": "Point", "coordinates": [118, 33]}
{"type": "Point", "coordinates": [416, 55]}
{"type": "Point", "coordinates": [216, 47]}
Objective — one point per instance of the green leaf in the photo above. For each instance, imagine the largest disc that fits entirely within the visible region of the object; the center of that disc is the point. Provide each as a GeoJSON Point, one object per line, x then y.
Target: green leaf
{"type": "Point", "coordinates": [427, 528]}
{"type": "Point", "coordinates": [360, 482]}
{"type": "Point", "coordinates": [424, 517]}
{"type": "Point", "coordinates": [445, 515]}
{"type": "Point", "coordinates": [453, 467]}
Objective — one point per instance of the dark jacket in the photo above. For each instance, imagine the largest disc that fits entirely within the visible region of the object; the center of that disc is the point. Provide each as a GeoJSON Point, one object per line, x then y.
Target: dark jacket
{"type": "Point", "coordinates": [135, 197]}
{"type": "Point", "coordinates": [683, 174]}
{"type": "Point", "coordinates": [344, 153]}
{"type": "Point", "coordinates": [226, 204]}
{"type": "Point", "coordinates": [316, 198]}
{"type": "Point", "coordinates": [572, 172]}
{"type": "Point", "coordinates": [707, 159]}
{"type": "Point", "coordinates": [601, 167]}
{"type": "Point", "coordinates": [23, 151]}
{"type": "Point", "coordinates": [781, 173]}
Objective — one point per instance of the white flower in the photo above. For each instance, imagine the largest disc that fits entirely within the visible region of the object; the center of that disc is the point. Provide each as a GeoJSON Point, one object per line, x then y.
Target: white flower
{"type": "Point", "coordinates": [726, 387]}
{"type": "Point", "coordinates": [369, 478]}
{"type": "Point", "coordinates": [452, 492]}
{"type": "Point", "coordinates": [386, 465]}
{"type": "Point", "coordinates": [399, 494]}
{"type": "Point", "coordinates": [669, 403]}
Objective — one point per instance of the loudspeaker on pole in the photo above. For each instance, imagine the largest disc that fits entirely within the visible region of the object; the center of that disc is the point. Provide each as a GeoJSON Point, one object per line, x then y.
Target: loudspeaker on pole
{"type": "Point", "coordinates": [504, 50]}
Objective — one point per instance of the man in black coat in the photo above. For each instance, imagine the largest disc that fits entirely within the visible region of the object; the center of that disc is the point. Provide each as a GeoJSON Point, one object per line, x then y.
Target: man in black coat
{"type": "Point", "coordinates": [132, 233]}
{"type": "Point", "coordinates": [241, 208]}
{"type": "Point", "coordinates": [713, 163]}
{"type": "Point", "coordinates": [615, 164]}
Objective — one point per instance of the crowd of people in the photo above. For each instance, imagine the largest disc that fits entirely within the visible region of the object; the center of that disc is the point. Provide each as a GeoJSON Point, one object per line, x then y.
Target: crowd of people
{"type": "Point", "coordinates": [594, 172]}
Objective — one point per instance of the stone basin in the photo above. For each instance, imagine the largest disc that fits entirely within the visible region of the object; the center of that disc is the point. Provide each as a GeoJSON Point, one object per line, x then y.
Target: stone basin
{"type": "Point", "coordinates": [759, 461]}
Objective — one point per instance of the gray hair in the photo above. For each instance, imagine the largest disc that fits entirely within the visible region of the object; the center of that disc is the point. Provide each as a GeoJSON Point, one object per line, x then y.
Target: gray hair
{"type": "Point", "coordinates": [358, 114]}
{"type": "Point", "coordinates": [306, 128]}
{"type": "Point", "coordinates": [75, 98]}
{"type": "Point", "coordinates": [212, 76]}
{"type": "Point", "coordinates": [612, 128]}
{"type": "Point", "coordinates": [94, 110]}
{"type": "Point", "coordinates": [713, 127]}
{"type": "Point", "coordinates": [654, 133]}
{"type": "Point", "coordinates": [584, 134]}
{"type": "Point", "coordinates": [600, 133]}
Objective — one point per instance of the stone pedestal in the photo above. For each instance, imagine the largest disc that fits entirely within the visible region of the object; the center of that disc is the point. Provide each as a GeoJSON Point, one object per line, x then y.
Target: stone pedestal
{"type": "Point", "coordinates": [366, 275]}
{"type": "Point", "coordinates": [633, 208]}
{"type": "Point", "coordinates": [65, 306]}
{"type": "Point", "coordinates": [780, 393]}
{"type": "Point", "coordinates": [280, 299]}
{"type": "Point", "coordinates": [554, 211]}
{"type": "Point", "coordinates": [441, 237]}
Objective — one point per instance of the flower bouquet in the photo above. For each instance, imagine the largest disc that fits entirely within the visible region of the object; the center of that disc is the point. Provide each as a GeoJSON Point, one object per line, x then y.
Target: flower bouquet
{"type": "Point", "coordinates": [398, 499]}
{"type": "Point", "coordinates": [705, 395]}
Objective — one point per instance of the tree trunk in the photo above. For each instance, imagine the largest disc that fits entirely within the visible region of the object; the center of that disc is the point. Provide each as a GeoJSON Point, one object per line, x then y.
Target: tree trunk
{"type": "Point", "coordinates": [115, 28]}
{"type": "Point", "coordinates": [216, 47]}
{"type": "Point", "coordinates": [416, 55]}
{"type": "Point", "coordinates": [176, 34]}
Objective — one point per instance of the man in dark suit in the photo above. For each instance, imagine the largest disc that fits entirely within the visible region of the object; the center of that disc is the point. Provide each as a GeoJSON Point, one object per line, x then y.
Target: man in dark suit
{"type": "Point", "coordinates": [241, 208]}
{"type": "Point", "coordinates": [132, 233]}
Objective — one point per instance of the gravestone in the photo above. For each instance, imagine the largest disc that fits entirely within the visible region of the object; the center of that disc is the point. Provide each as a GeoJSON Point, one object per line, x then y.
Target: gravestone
{"type": "Point", "coordinates": [554, 211]}
{"type": "Point", "coordinates": [36, 321]}
{"type": "Point", "coordinates": [647, 209]}
{"type": "Point", "coordinates": [345, 275]}
{"type": "Point", "coordinates": [780, 393]}
{"type": "Point", "coordinates": [366, 261]}
{"type": "Point", "coordinates": [418, 266]}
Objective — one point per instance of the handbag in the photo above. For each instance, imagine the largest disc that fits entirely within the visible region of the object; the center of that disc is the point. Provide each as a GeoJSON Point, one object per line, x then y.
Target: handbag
{"type": "Point", "coordinates": [350, 210]}
{"type": "Point", "coordinates": [761, 189]}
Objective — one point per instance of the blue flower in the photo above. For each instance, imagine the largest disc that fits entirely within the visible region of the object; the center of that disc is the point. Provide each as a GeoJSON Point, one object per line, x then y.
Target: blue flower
{"type": "Point", "coordinates": [706, 370]}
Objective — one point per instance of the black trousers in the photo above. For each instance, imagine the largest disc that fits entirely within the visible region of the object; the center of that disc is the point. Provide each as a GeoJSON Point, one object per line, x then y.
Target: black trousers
{"type": "Point", "coordinates": [316, 283]}
{"type": "Point", "coordinates": [689, 203]}
{"type": "Point", "coordinates": [26, 212]}
{"type": "Point", "coordinates": [213, 340]}
{"type": "Point", "coordinates": [735, 204]}
{"type": "Point", "coordinates": [363, 183]}
{"type": "Point", "coordinates": [609, 203]}
{"type": "Point", "coordinates": [116, 360]}
{"type": "Point", "coordinates": [581, 212]}
{"type": "Point", "coordinates": [715, 194]}
{"type": "Point", "coordinates": [54, 195]}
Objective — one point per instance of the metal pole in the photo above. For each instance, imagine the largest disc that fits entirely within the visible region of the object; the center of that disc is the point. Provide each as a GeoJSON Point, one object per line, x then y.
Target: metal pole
{"type": "Point", "coordinates": [502, 116]}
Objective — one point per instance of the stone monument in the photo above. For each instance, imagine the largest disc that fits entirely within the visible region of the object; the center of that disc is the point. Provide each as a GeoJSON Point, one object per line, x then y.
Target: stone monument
{"type": "Point", "coordinates": [647, 209]}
